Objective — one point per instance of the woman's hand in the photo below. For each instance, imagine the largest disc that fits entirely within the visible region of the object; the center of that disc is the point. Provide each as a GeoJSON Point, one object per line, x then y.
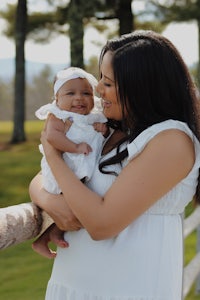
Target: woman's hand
{"type": "Point", "coordinates": [62, 215]}
{"type": "Point", "coordinates": [52, 234]}
{"type": "Point", "coordinates": [54, 205]}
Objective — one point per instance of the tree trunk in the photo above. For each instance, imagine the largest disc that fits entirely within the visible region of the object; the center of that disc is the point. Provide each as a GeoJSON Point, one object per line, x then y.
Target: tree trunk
{"type": "Point", "coordinates": [76, 33]}
{"type": "Point", "coordinates": [125, 16]}
{"type": "Point", "coordinates": [19, 98]}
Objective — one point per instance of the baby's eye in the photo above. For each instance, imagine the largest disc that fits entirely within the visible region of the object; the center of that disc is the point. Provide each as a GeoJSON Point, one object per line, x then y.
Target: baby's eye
{"type": "Point", "coordinates": [87, 93]}
{"type": "Point", "coordinates": [70, 93]}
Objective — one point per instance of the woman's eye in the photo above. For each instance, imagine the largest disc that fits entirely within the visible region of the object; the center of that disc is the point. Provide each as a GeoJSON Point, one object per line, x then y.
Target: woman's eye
{"type": "Point", "coordinates": [107, 84]}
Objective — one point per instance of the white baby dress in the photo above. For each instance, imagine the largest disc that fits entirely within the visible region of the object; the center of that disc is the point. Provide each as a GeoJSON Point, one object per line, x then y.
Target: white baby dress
{"type": "Point", "coordinates": [145, 260]}
{"type": "Point", "coordinates": [81, 130]}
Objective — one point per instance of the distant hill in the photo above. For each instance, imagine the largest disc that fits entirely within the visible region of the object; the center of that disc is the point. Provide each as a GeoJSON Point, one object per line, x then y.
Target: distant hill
{"type": "Point", "coordinates": [7, 68]}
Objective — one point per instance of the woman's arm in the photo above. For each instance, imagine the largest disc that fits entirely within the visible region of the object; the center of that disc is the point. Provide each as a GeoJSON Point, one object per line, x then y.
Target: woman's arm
{"type": "Point", "coordinates": [149, 176]}
{"type": "Point", "coordinates": [54, 205]}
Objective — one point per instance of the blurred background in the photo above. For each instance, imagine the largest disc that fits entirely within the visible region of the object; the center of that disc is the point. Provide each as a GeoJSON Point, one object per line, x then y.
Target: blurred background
{"type": "Point", "coordinates": [38, 38]}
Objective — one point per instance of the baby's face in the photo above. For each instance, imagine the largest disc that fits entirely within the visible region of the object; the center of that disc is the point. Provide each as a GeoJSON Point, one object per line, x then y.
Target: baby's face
{"type": "Point", "coordinates": [76, 95]}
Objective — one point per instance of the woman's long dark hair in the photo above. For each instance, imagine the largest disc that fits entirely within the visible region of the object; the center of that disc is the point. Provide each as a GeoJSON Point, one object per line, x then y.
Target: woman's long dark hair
{"type": "Point", "coordinates": [153, 85]}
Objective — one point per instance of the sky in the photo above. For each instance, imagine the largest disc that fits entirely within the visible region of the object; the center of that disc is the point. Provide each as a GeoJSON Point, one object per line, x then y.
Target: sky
{"type": "Point", "coordinates": [183, 35]}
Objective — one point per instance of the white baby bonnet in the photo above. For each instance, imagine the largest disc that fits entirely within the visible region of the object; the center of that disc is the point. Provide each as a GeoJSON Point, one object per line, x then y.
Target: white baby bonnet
{"type": "Point", "coordinates": [73, 73]}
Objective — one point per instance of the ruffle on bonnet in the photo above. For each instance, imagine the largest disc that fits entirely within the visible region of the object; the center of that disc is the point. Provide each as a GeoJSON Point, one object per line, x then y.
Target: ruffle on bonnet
{"type": "Point", "coordinates": [73, 73]}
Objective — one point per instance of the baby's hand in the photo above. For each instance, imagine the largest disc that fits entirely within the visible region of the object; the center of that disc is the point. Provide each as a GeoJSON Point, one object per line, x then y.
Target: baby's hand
{"type": "Point", "coordinates": [101, 127]}
{"type": "Point", "coordinates": [83, 148]}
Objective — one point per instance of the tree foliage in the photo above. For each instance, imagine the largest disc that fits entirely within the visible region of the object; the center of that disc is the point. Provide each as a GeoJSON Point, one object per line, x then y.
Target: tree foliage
{"type": "Point", "coordinates": [9, 15]}
{"type": "Point", "coordinates": [71, 18]}
{"type": "Point", "coordinates": [175, 10]}
{"type": "Point", "coordinates": [178, 11]}
{"type": "Point", "coordinates": [6, 100]}
{"type": "Point", "coordinates": [39, 91]}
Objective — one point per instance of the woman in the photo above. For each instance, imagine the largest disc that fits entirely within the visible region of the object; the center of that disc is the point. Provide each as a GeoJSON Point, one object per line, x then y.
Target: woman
{"type": "Point", "coordinates": [131, 243]}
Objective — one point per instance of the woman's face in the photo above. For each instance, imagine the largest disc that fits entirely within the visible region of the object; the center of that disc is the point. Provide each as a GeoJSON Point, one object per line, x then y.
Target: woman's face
{"type": "Point", "coordinates": [107, 89]}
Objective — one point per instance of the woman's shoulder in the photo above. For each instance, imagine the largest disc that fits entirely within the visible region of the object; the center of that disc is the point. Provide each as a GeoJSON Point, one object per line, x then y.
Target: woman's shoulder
{"type": "Point", "coordinates": [139, 143]}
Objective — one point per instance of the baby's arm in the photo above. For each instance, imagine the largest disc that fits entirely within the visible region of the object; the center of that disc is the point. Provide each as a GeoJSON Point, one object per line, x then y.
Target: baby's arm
{"type": "Point", "coordinates": [102, 127]}
{"type": "Point", "coordinates": [56, 130]}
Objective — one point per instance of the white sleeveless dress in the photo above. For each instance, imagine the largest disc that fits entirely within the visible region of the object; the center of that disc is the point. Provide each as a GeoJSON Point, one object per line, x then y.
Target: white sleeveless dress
{"type": "Point", "coordinates": [144, 261]}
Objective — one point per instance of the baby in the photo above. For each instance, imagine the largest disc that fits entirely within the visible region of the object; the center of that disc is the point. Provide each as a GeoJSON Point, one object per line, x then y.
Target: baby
{"type": "Point", "coordinates": [73, 125]}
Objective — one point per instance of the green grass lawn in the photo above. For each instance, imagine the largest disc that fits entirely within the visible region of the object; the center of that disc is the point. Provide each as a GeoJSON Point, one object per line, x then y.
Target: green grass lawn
{"type": "Point", "coordinates": [24, 274]}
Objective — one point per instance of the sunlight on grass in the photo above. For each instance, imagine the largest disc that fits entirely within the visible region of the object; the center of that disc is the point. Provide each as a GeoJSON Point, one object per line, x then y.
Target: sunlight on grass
{"type": "Point", "coordinates": [24, 274]}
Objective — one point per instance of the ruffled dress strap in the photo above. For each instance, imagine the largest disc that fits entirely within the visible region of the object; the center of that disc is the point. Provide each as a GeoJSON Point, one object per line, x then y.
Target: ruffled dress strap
{"type": "Point", "coordinates": [88, 119]}
{"type": "Point", "coordinates": [175, 201]}
{"type": "Point", "coordinates": [96, 117]}
{"type": "Point", "coordinates": [139, 143]}
{"type": "Point", "coordinates": [51, 108]}
{"type": "Point", "coordinates": [43, 111]}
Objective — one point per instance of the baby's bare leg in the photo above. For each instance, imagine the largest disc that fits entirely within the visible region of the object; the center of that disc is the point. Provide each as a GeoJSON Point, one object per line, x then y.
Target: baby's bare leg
{"type": "Point", "coordinates": [52, 234]}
